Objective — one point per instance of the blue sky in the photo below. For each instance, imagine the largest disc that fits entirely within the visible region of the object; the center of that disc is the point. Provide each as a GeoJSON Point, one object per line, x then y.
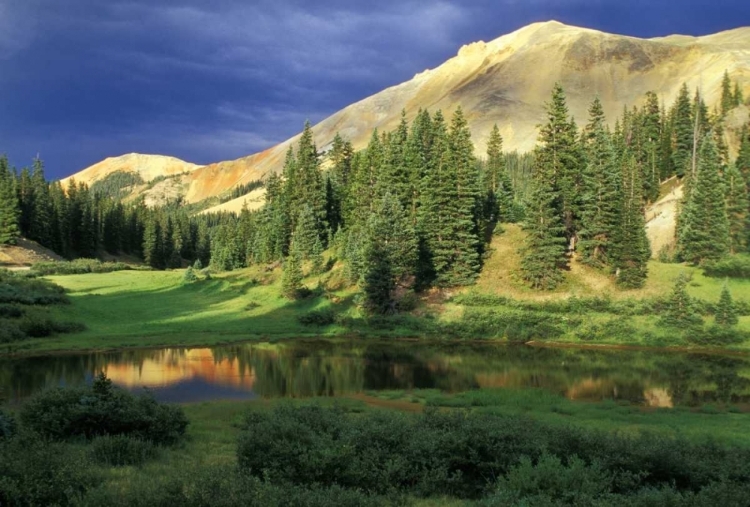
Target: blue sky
{"type": "Point", "coordinates": [204, 81]}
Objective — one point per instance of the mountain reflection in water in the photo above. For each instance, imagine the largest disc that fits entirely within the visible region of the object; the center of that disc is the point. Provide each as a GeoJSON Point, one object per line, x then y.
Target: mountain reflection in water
{"type": "Point", "coordinates": [320, 368]}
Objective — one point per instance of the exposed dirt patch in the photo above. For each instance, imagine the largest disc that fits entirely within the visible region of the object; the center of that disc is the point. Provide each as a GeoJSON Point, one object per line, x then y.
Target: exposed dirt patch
{"type": "Point", "coordinates": [24, 254]}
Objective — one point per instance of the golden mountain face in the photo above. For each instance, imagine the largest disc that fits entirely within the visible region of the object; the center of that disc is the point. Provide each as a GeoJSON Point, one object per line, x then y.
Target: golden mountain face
{"type": "Point", "coordinates": [505, 81]}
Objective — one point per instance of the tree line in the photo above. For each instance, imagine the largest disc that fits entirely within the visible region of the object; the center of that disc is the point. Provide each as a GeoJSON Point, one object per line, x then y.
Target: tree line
{"type": "Point", "coordinates": [416, 208]}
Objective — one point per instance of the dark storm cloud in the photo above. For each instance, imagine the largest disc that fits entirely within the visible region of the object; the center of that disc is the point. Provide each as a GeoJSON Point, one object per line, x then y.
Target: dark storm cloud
{"type": "Point", "coordinates": [84, 79]}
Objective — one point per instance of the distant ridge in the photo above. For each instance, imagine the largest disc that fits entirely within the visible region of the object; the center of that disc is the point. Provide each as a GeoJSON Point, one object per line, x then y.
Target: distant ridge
{"type": "Point", "coordinates": [504, 81]}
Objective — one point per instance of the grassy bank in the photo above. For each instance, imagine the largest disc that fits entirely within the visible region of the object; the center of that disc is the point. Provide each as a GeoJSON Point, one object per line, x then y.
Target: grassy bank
{"type": "Point", "coordinates": [156, 308]}
{"type": "Point", "coordinates": [211, 442]}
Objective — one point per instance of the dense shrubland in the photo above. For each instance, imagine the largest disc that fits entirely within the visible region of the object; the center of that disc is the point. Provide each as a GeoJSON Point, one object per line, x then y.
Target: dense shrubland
{"type": "Point", "coordinates": [312, 456]}
{"type": "Point", "coordinates": [23, 308]}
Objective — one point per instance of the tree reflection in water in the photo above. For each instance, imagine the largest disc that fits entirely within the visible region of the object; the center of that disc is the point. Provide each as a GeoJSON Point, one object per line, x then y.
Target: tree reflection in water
{"type": "Point", "coordinates": [320, 368]}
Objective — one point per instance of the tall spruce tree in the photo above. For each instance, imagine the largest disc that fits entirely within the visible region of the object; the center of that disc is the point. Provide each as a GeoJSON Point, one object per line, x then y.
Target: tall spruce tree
{"type": "Point", "coordinates": [560, 161]}
{"type": "Point", "coordinates": [9, 207]}
{"type": "Point", "coordinates": [304, 183]}
{"type": "Point", "coordinates": [452, 207]}
{"type": "Point", "coordinates": [291, 278]}
{"type": "Point", "coordinates": [500, 188]}
{"type": "Point", "coordinates": [737, 209]}
{"type": "Point", "coordinates": [379, 284]}
{"type": "Point", "coordinates": [743, 157]}
{"type": "Point", "coordinates": [650, 144]}
{"type": "Point", "coordinates": [666, 159]}
{"type": "Point", "coordinates": [544, 253]}
{"type": "Point", "coordinates": [391, 229]}
{"type": "Point", "coordinates": [739, 98]}
{"type": "Point", "coordinates": [727, 98]}
{"type": "Point", "coordinates": [599, 202]}
{"type": "Point", "coordinates": [631, 250]}
{"type": "Point", "coordinates": [703, 232]}
{"type": "Point", "coordinates": [682, 127]}
{"type": "Point", "coordinates": [153, 249]}
{"type": "Point", "coordinates": [40, 220]}
{"type": "Point", "coordinates": [553, 206]}
{"type": "Point", "coordinates": [306, 232]}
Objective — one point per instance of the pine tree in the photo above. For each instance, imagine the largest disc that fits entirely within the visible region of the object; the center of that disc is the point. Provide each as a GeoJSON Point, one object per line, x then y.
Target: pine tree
{"type": "Point", "coordinates": [703, 232]}
{"type": "Point", "coordinates": [451, 197]}
{"type": "Point", "coordinates": [682, 126]}
{"type": "Point", "coordinates": [601, 184]}
{"type": "Point", "coordinates": [737, 209]}
{"type": "Point", "coordinates": [650, 156]}
{"type": "Point", "coordinates": [25, 189]}
{"type": "Point", "coordinates": [417, 159]}
{"type": "Point", "coordinates": [726, 312]}
{"type": "Point", "coordinates": [153, 251]}
{"type": "Point", "coordinates": [666, 160]}
{"type": "Point", "coordinates": [680, 311]}
{"type": "Point", "coordinates": [561, 161]}
{"type": "Point", "coordinates": [40, 218]}
{"type": "Point", "coordinates": [727, 99]}
{"type": "Point", "coordinates": [544, 254]}
{"type": "Point", "coordinates": [743, 157]}
{"type": "Point", "coordinates": [318, 263]}
{"type": "Point", "coordinates": [497, 178]}
{"type": "Point", "coordinates": [379, 282]}
{"type": "Point", "coordinates": [306, 232]}
{"type": "Point", "coordinates": [304, 183]}
{"type": "Point", "coordinates": [291, 279]}
{"type": "Point", "coordinates": [390, 228]}
{"type": "Point", "coordinates": [9, 206]}
{"type": "Point", "coordinates": [631, 251]}
{"type": "Point", "coordinates": [738, 97]}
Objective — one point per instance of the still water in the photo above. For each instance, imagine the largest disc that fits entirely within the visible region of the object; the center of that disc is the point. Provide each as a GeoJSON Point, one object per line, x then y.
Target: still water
{"type": "Point", "coordinates": [320, 368]}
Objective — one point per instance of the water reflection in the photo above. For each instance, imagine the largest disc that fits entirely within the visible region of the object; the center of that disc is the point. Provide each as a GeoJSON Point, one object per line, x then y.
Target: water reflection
{"type": "Point", "coordinates": [319, 368]}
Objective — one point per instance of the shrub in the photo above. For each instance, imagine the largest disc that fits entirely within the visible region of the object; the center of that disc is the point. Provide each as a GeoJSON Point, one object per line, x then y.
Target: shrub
{"type": "Point", "coordinates": [10, 331]}
{"type": "Point", "coordinates": [120, 450]}
{"type": "Point", "coordinates": [222, 486]}
{"type": "Point", "coordinates": [456, 454]}
{"type": "Point", "coordinates": [323, 317]}
{"type": "Point", "coordinates": [102, 409]}
{"type": "Point", "coordinates": [34, 472]}
{"type": "Point", "coordinates": [189, 276]}
{"type": "Point", "coordinates": [78, 267]}
{"type": "Point", "coordinates": [7, 425]}
{"type": "Point", "coordinates": [40, 327]}
{"type": "Point", "coordinates": [11, 311]}
{"type": "Point", "coordinates": [550, 482]}
{"type": "Point", "coordinates": [736, 266]}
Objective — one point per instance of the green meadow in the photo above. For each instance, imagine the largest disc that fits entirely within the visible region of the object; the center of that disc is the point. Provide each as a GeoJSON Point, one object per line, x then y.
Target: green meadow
{"type": "Point", "coordinates": [157, 308]}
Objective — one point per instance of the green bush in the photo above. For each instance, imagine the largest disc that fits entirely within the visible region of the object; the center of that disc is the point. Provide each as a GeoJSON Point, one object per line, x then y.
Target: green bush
{"type": "Point", "coordinates": [457, 454]}
{"type": "Point", "coordinates": [39, 327]}
{"type": "Point", "coordinates": [34, 472]}
{"type": "Point", "coordinates": [551, 482]}
{"type": "Point", "coordinates": [102, 409]}
{"type": "Point", "coordinates": [716, 336]}
{"type": "Point", "coordinates": [736, 266]}
{"type": "Point", "coordinates": [16, 289]}
{"type": "Point", "coordinates": [11, 311]}
{"type": "Point", "coordinates": [7, 425]}
{"type": "Point", "coordinates": [222, 486]}
{"type": "Point", "coordinates": [120, 450]}
{"type": "Point", "coordinates": [78, 267]}
{"type": "Point", "coordinates": [10, 331]}
{"type": "Point", "coordinates": [323, 317]}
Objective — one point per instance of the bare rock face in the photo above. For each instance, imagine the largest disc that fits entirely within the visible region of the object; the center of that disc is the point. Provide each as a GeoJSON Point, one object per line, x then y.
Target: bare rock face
{"type": "Point", "coordinates": [505, 81]}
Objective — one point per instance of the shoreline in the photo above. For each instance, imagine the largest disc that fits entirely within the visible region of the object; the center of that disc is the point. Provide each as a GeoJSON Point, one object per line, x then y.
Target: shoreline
{"type": "Point", "coordinates": [244, 339]}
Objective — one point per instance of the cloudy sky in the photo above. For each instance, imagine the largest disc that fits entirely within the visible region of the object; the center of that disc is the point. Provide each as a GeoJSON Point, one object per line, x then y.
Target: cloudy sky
{"type": "Point", "coordinates": [81, 80]}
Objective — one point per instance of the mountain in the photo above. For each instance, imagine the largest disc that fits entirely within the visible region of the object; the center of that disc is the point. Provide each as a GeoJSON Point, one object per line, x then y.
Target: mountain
{"type": "Point", "coordinates": [507, 81]}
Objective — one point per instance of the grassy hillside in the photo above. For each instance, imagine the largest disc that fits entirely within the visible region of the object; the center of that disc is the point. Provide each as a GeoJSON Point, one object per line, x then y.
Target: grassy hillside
{"type": "Point", "coordinates": [152, 308]}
